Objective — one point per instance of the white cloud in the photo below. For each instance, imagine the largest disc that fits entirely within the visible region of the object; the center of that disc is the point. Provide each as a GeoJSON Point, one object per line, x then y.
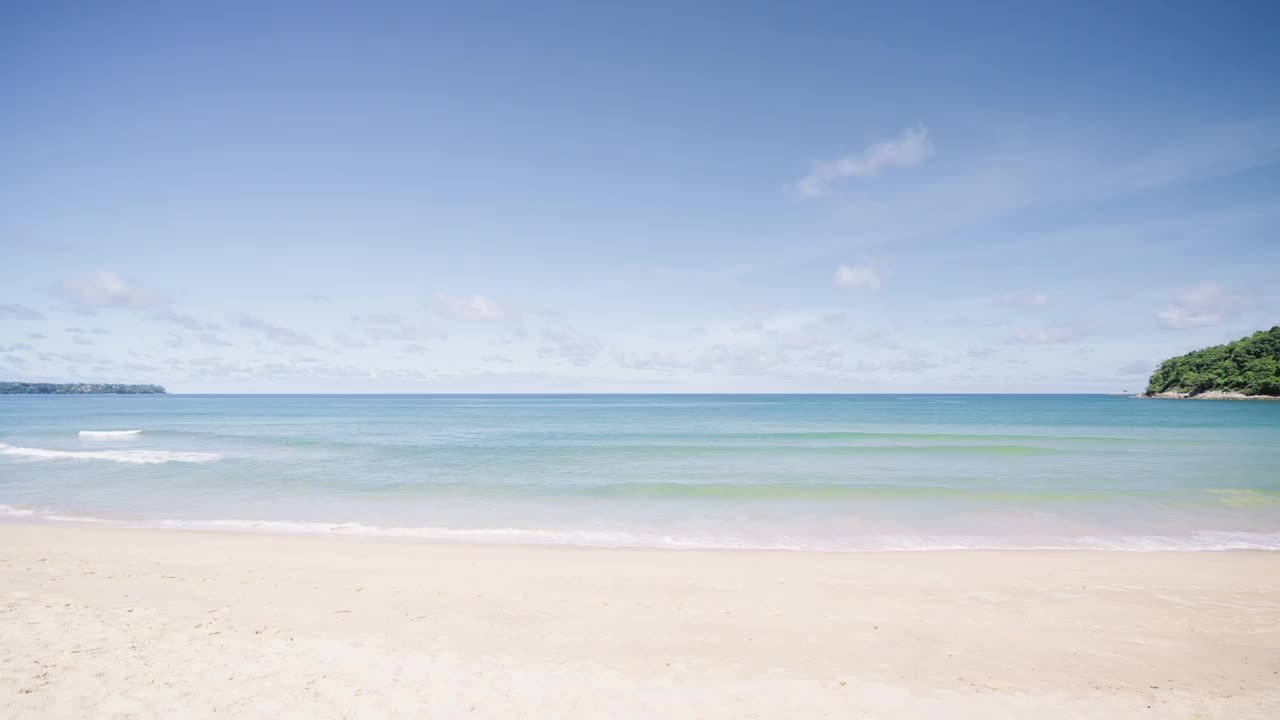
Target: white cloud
{"type": "Point", "coordinates": [911, 148]}
{"type": "Point", "coordinates": [106, 289]}
{"type": "Point", "coordinates": [857, 277]}
{"type": "Point", "coordinates": [1204, 305]}
{"type": "Point", "coordinates": [274, 333]}
{"type": "Point", "coordinates": [477, 308]}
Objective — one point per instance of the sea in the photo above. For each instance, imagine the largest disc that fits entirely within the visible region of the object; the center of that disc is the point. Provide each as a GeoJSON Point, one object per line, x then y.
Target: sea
{"type": "Point", "coordinates": [785, 472]}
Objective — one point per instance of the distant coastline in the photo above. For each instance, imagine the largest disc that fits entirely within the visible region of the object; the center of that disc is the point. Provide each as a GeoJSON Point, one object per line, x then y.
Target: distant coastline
{"type": "Point", "coordinates": [23, 388]}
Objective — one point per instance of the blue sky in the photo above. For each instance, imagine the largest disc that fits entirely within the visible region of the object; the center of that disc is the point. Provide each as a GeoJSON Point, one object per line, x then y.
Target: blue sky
{"type": "Point", "coordinates": [274, 197]}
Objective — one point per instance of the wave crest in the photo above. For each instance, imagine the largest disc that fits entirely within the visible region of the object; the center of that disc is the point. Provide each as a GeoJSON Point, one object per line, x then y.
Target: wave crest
{"type": "Point", "coordinates": [137, 457]}
{"type": "Point", "coordinates": [109, 434]}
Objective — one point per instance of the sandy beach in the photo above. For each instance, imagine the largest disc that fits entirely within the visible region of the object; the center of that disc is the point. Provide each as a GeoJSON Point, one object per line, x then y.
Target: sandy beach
{"type": "Point", "coordinates": [108, 622]}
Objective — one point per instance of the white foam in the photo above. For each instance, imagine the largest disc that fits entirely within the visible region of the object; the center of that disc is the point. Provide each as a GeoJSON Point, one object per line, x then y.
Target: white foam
{"type": "Point", "coordinates": [1198, 542]}
{"type": "Point", "coordinates": [139, 457]}
{"type": "Point", "coordinates": [501, 536]}
{"type": "Point", "coordinates": [1209, 541]}
{"type": "Point", "coordinates": [109, 434]}
{"type": "Point", "coordinates": [1204, 541]}
{"type": "Point", "coordinates": [11, 511]}
{"type": "Point", "coordinates": [80, 519]}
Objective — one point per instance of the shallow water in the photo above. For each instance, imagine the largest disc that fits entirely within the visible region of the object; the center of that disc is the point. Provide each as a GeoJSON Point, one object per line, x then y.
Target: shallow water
{"type": "Point", "coordinates": [816, 472]}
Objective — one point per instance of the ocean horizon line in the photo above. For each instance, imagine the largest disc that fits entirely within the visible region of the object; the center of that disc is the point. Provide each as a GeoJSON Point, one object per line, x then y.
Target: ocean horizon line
{"type": "Point", "coordinates": [621, 394]}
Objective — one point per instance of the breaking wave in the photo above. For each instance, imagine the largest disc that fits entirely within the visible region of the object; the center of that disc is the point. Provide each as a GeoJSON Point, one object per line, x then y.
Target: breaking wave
{"type": "Point", "coordinates": [109, 434]}
{"type": "Point", "coordinates": [137, 457]}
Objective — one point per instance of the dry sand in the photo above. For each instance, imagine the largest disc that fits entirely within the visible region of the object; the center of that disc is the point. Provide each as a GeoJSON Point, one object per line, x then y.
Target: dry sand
{"type": "Point", "coordinates": [102, 622]}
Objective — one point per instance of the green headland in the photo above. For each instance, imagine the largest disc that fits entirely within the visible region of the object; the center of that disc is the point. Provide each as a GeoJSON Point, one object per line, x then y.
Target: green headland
{"type": "Point", "coordinates": [1246, 368]}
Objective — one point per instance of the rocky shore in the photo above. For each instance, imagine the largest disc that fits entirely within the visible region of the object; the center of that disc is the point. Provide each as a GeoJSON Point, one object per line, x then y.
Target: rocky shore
{"type": "Point", "coordinates": [1207, 395]}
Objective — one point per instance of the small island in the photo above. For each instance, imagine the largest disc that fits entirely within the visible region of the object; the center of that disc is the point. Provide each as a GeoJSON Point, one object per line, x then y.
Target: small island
{"type": "Point", "coordinates": [1246, 369]}
{"type": "Point", "coordinates": [24, 388]}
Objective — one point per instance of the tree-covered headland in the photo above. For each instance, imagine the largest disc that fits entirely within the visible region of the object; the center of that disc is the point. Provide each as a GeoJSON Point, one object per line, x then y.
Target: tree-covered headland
{"type": "Point", "coordinates": [1249, 366]}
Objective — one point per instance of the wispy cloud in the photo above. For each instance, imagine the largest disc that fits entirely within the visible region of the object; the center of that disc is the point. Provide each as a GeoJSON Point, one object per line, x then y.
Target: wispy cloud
{"type": "Point", "coordinates": [168, 315]}
{"type": "Point", "coordinates": [348, 340]}
{"type": "Point", "coordinates": [857, 277]}
{"type": "Point", "coordinates": [104, 288]}
{"type": "Point", "coordinates": [911, 148]}
{"type": "Point", "coordinates": [1027, 299]}
{"type": "Point", "coordinates": [377, 319]}
{"type": "Point", "coordinates": [19, 312]}
{"type": "Point", "coordinates": [570, 345]}
{"type": "Point", "coordinates": [1045, 169]}
{"type": "Point", "coordinates": [209, 338]}
{"type": "Point", "coordinates": [271, 331]}
{"type": "Point", "coordinates": [1205, 305]}
{"type": "Point", "coordinates": [1054, 335]}
{"type": "Point", "coordinates": [475, 308]}
{"type": "Point", "coordinates": [379, 327]}
{"type": "Point", "coordinates": [777, 345]}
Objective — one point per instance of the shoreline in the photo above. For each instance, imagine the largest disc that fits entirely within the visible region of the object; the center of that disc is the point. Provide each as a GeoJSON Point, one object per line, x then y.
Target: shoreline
{"type": "Point", "coordinates": [102, 620]}
{"type": "Point", "coordinates": [1202, 542]}
{"type": "Point", "coordinates": [1208, 395]}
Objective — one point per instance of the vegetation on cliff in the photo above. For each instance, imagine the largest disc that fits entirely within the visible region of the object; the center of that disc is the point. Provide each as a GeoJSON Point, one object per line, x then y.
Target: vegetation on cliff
{"type": "Point", "coordinates": [23, 388]}
{"type": "Point", "coordinates": [1250, 366]}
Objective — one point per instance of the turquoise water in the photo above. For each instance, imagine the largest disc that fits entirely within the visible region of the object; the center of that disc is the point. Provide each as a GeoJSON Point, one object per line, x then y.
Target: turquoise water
{"type": "Point", "coordinates": [765, 471]}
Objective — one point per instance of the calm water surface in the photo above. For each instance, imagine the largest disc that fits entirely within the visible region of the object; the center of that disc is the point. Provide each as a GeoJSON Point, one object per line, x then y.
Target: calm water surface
{"type": "Point", "coordinates": [770, 471]}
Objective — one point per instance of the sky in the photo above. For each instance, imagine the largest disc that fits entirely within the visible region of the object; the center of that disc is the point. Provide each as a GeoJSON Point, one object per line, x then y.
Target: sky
{"type": "Point", "coordinates": [687, 197]}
